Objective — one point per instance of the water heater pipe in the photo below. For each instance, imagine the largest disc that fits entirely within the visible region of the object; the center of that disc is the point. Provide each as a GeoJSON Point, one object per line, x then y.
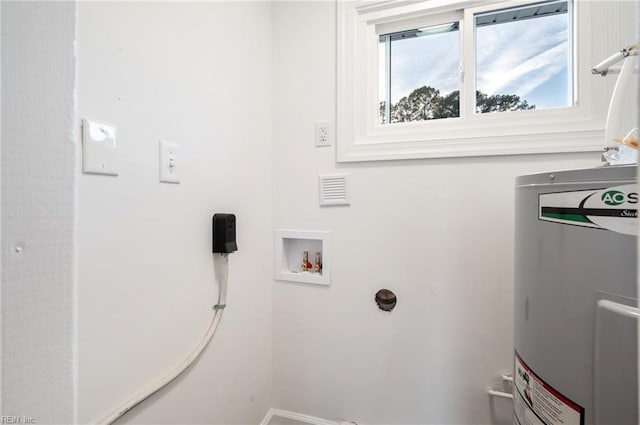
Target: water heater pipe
{"type": "Point", "coordinates": [620, 90]}
{"type": "Point", "coordinates": [221, 267]}
{"type": "Point", "coordinates": [500, 394]}
{"type": "Point", "coordinates": [603, 67]}
{"type": "Point", "coordinates": [629, 55]}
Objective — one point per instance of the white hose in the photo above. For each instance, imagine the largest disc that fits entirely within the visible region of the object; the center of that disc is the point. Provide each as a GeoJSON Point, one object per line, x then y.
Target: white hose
{"type": "Point", "coordinates": [605, 64]}
{"type": "Point", "coordinates": [621, 89]}
{"type": "Point", "coordinates": [221, 266]}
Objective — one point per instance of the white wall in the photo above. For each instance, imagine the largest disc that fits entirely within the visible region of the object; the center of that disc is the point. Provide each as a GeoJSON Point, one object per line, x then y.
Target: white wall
{"type": "Point", "coordinates": [0, 203]}
{"type": "Point", "coordinates": [196, 74]}
{"type": "Point", "coordinates": [38, 195]}
{"type": "Point", "coordinates": [439, 233]}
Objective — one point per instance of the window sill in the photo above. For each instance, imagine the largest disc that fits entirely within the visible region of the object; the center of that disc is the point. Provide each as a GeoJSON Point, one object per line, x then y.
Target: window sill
{"type": "Point", "coordinates": [557, 142]}
{"type": "Point", "coordinates": [508, 133]}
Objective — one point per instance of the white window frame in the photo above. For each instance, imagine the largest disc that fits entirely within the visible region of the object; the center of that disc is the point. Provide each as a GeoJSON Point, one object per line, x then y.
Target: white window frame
{"type": "Point", "coordinates": [361, 137]}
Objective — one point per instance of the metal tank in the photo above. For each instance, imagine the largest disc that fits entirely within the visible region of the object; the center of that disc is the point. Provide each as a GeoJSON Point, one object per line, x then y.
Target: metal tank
{"type": "Point", "coordinates": [575, 291]}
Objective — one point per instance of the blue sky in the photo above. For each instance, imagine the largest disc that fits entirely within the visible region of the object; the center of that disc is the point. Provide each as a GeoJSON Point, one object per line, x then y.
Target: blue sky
{"type": "Point", "coordinates": [527, 58]}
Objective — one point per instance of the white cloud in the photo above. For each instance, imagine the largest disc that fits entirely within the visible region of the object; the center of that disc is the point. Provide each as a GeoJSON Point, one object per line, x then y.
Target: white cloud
{"type": "Point", "coordinates": [432, 61]}
{"type": "Point", "coordinates": [517, 58]}
{"type": "Point", "coordinates": [530, 74]}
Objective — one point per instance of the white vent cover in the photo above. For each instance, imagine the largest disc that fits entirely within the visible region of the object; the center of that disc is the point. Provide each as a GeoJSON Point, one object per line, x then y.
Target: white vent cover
{"type": "Point", "coordinates": [333, 189]}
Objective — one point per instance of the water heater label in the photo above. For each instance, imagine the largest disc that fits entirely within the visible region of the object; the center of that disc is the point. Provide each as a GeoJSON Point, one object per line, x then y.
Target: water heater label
{"type": "Point", "coordinates": [537, 403]}
{"type": "Point", "coordinates": [612, 208]}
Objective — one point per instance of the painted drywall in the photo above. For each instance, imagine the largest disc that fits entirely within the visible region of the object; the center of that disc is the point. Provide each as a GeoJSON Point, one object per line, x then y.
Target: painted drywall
{"type": "Point", "coordinates": [439, 233]}
{"type": "Point", "coordinates": [199, 75]}
{"type": "Point", "coordinates": [38, 204]}
{"type": "Point", "coordinates": [0, 202]}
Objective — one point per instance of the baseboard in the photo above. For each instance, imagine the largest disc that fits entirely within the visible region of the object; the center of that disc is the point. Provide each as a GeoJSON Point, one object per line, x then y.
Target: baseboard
{"type": "Point", "coordinates": [295, 416]}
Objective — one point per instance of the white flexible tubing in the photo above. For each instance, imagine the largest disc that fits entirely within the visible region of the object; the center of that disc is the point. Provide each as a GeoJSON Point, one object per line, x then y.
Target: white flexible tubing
{"type": "Point", "coordinates": [222, 275]}
{"type": "Point", "coordinates": [605, 64]}
{"type": "Point", "coordinates": [620, 90]}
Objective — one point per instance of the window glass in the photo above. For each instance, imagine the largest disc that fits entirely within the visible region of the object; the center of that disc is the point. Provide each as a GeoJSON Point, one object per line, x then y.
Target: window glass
{"type": "Point", "coordinates": [419, 74]}
{"type": "Point", "coordinates": [523, 58]}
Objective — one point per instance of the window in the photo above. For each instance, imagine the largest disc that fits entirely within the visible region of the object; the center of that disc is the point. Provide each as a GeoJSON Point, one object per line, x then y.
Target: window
{"type": "Point", "coordinates": [523, 58]}
{"type": "Point", "coordinates": [420, 79]}
{"type": "Point", "coordinates": [411, 88]}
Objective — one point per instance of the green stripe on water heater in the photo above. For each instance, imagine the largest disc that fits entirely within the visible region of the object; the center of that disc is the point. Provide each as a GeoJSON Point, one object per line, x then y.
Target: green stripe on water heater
{"type": "Point", "coordinates": [568, 217]}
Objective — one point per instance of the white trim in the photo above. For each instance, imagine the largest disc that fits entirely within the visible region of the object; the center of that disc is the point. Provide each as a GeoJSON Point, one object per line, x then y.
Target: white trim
{"type": "Point", "coordinates": [359, 136]}
{"type": "Point", "coordinates": [396, 10]}
{"type": "Point", "coordinates": [295, 416]}
{"type": "Point", "coordinates": [572, 141]}
{"type": "Point", "coordinates": [468, 65]}
{"type": "Point", "coordinates": [420, 22]}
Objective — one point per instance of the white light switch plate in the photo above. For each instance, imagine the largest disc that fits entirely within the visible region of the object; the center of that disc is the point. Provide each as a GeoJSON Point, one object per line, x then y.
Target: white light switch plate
{"type": "Point", "coordinates": [99, 155]}
{"type": "Point", "coordinates": [169, 162]}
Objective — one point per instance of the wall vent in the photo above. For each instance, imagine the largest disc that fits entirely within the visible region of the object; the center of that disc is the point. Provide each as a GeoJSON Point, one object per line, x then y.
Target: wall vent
{"type": "Point", "coordinates": [333, 190]}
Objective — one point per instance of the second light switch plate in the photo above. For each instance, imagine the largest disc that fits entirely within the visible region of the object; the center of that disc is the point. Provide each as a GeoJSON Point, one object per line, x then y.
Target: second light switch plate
{"type": "Point", "coordinates": [169, 162]}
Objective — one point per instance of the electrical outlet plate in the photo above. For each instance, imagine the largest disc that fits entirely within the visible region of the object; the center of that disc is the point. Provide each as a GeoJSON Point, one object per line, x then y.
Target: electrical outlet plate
{"type": "Point", "coordinates": [169, 162]}
{"type": "Point", "coordinates": [99, 154]}
{"type": "Point", "coordinates": [323, 134]}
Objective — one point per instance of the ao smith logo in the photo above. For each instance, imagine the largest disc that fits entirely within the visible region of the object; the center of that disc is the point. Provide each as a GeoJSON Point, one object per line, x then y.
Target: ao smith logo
{"type": "Point", "coordinates": [615, 197]}
{"type": "Point", "coordinates": [610, 208]}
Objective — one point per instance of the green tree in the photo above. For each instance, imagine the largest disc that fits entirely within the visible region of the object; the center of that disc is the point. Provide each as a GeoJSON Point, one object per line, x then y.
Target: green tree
{"type": "Point", "coordinates": [383, 116]}
{"type": "Point", "coordinates": [418, 106]}
{"type": "Point", "coordinates": [426, 103]}
{"type": "Point", "coordinates": [448, 106]}
{"type": "Point", "coordinates": [500, 103]}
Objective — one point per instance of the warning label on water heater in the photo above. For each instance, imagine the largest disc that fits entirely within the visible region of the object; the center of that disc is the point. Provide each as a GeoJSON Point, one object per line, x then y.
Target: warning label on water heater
{"type": "Point", "coordinates": [536, 403]}
{"type": "Point", "coordinates": [612, 208]}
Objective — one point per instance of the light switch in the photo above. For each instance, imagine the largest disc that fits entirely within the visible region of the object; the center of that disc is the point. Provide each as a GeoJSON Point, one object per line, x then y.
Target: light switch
{"type": "Point", "coordinates": [169, 162]}
{"type": "Point", "coordinates": [99, 154]}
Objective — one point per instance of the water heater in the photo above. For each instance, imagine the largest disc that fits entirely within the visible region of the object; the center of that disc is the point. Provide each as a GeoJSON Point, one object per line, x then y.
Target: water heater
{"type": "Point", "coordinates": [575, 291]}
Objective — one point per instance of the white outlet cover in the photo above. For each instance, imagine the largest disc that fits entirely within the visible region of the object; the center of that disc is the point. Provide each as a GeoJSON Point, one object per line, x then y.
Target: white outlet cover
{"type": "Point", "coordinates": [99, 154]}
{"type": "Point", "coordinates": [323, 134]}
{"type": "Point", "coordinates": [169, 162]}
